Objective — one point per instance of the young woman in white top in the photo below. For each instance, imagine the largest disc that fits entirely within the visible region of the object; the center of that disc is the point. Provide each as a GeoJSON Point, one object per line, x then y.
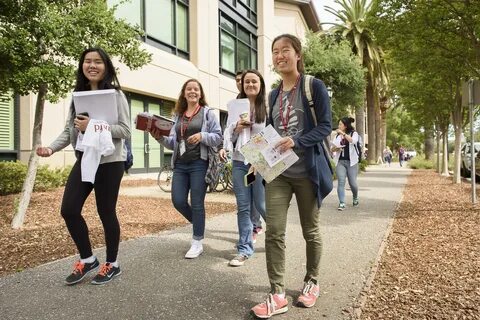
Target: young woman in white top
{"type": "Point", "coordinates": [346, 160]}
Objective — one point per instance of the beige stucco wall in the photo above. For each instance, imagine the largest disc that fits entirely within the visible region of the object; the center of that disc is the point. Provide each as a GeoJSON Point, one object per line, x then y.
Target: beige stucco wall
{"type": "Point", "coordinates": [166, 73]}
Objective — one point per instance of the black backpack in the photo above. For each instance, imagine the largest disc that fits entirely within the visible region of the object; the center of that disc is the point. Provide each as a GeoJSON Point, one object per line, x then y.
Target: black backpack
{"type": "Point", "coordinates": [129, 162]}
{"type": "Point", "coordinates": [358, 147]}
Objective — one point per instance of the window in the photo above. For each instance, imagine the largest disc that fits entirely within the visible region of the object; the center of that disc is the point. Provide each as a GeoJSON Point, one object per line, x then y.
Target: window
{"type": "Point", "coordinates": [9, 128]}
{"type": "Point", "coordinates": [238, 40]}
{"type": "Point", "coordinates": [6, 122]}
{"type": "Point", "coordinates": [165, 22]}
{"type": "Point", "coordinates": [245, 8]}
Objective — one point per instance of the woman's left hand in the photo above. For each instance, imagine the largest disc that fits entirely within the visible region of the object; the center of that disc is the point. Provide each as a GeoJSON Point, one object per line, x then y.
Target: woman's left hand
{"type": "Point", "coordinates": [284, 144]}
{"type": "Point", "coordinates": [195, 139]}
{"type": "Point", "coordinates": [81, 122]}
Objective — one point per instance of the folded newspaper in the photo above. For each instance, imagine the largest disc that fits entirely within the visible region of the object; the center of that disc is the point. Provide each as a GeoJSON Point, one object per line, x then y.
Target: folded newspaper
{"type": "Point", "coordinates": [261, 153]}
{"type": "Point", "coordinates": [145, 121]}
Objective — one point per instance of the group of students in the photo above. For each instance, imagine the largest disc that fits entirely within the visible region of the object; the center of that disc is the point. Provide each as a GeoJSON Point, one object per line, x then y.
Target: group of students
{"type": "Point", "coordinates": [302, 125]}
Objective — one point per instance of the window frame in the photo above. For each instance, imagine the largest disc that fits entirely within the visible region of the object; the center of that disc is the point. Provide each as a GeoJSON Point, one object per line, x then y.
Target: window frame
{"type": "Point", "coordinates": [165, 46]}
{"type": "Point", "coordinates": [240, 22]}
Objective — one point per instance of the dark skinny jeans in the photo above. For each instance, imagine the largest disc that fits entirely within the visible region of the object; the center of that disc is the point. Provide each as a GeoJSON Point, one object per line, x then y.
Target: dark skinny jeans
{"type": "Point", "coordinates": [106, 186]}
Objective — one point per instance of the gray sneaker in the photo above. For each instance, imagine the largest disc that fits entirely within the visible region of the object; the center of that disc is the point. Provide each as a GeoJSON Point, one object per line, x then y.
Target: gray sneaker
{"type": "Point", "coordinates": [341, 206]}
{"type": "Point", "coordinates": [355, 202]}
{"type": "Point", "coordinates": [238, 261]}
{"type": "Point", "coordinates": [80, 271]}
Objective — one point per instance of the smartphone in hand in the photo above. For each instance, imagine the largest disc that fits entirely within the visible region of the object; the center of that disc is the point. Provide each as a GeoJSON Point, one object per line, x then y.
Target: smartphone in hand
{"type": "Point", "coordinates": [82, 117]}
{"type": "Point", "coordinates": [82, 114]}
{"type": "Point", "coordinates": [249, 178]}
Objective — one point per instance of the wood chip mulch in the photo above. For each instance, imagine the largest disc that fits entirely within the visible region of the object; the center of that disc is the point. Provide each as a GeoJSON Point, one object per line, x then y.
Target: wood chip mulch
{"type": "Point", "coordinates": [430, 268]}
{"type": "Point", "coordinates": [45, 238]}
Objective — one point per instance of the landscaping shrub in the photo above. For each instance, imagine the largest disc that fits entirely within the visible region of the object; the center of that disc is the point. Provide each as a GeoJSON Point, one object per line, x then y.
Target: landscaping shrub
{"type": "Point", "coordinates": [419, 162]}
{"type": "Point", "coordinates": [12, 176]}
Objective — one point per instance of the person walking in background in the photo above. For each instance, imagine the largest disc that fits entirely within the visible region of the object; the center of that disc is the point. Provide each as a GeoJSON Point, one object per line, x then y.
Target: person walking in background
{"type": "Point", "coordinates": [387, 155]}
{"type": "Point", "coordinates": [401, 155]}
{"type": "Point", "coordinates": [196, 128]}
{"type": "Point", "coordinates": [310, 178]}
{"type": "Point", "coordinates": [95, 72]}
{"type": "Point", "coordinates": [249, 197]}
{"type": "Point", "coordinates": [346, 160]}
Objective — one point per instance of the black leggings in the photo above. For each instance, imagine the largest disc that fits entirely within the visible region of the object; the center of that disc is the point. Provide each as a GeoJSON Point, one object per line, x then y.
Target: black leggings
{"type": "Point", "coordinates": [106, 186]}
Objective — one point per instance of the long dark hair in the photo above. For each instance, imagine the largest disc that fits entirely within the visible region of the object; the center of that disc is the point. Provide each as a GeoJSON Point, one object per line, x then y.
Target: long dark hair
{"type": "Point", "coordinates": [109, 81]}
{"type": "Point", "coordinates": [297, 46]}
{"type": "Point", "coordinates": [182, 104]}
{"type": "Point", "coordinates": [347, 121]}
{"type": "Point", "coordinates": [260, 105]}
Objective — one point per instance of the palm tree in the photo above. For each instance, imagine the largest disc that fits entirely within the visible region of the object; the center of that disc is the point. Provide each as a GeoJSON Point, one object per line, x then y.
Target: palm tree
{"type": "Point", "coordinates": [352, 26]}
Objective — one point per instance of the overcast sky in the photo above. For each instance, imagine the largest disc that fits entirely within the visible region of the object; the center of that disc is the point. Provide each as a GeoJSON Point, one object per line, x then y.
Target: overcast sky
{"type": "Point", "coordinates": [324, 15]}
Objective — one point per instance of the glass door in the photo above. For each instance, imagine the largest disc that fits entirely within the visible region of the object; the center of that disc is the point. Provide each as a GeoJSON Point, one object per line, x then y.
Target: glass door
{"type": "Point", "coordinates": [148, 154]}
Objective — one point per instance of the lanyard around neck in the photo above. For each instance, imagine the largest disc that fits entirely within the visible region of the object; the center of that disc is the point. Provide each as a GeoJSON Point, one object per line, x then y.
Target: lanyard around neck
{"type": "Point", "coordinates": [285, 120]}
{"type": "Point", "coordinates": [183, 126]}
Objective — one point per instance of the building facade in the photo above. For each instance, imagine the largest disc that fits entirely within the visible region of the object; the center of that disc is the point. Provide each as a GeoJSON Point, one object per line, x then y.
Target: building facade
{"type": "Point", "coordinates": [203, 39]}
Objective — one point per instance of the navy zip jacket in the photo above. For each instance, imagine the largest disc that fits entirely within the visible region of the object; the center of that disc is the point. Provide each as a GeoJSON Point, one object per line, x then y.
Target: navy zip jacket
{"type": "Point", "coordinates": [316, 158]}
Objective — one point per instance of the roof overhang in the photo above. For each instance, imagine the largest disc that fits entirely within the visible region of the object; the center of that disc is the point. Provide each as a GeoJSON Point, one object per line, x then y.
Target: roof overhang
{"type": "Point", "coordinates": [308, 11]}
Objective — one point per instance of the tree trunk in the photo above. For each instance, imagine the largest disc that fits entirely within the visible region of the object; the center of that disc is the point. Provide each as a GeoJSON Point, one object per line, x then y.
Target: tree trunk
{"type": "Point", "coordinates": [29, 182]}
{"type": "Point", "coordinates": [360, 121]}
{"type": "Point", "coordinates": [372, 152]}
{"type": "Point", "coordinates": [429, 144]}
{"type": "Point", "coordinates": [457, 119]}
{"type": "Point", "coordinates": [445, 154]}
{"type": "Point", "coordinates": [383, 124]}
{"type": "Point", "coordinates": [378, 129]}
{"type": "Point", "coordinates": [438, 151]}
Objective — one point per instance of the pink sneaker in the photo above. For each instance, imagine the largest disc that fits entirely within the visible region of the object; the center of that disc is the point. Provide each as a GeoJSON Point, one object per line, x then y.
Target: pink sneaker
{"type": "Point", "coordinates": [258, 230]}
{"type": "Point", "coordinates": [309, 295]}
{"type": "Point", "coordinates": [272, 306]}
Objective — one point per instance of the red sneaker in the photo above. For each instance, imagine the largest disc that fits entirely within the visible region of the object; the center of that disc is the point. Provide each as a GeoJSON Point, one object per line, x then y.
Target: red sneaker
{"type": "Point", "coordinates": [272, 306]}
{"type": "Point", "coordinates": [309, 295]}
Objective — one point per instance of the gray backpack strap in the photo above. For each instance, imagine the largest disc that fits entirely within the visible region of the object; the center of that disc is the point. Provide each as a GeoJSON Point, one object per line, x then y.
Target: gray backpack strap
{"type": "Point", "coordinates": [307, 83]}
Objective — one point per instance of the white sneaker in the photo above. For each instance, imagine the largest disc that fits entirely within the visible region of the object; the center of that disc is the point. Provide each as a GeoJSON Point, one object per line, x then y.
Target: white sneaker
{"type": "Point", "coordinates": [195, 250]}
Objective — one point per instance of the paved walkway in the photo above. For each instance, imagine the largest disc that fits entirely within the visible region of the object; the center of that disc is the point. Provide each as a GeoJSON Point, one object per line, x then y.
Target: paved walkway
{"type": "Point", "coordinates": [157, 283]}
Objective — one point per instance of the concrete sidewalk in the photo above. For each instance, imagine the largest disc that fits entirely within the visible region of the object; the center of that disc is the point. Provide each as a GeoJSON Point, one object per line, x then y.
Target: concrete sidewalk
{"type": "Point", "coordinates": [158, 283]}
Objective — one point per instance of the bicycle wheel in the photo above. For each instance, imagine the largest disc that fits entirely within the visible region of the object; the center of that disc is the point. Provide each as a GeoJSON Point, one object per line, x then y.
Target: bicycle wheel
{"type": "Point", "coordinates": [164, 179]}
{"type": "Point", "coordinates": [221, 182]}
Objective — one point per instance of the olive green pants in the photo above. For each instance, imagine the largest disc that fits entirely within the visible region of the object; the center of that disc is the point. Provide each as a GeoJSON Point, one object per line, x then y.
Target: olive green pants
{"type": "Point", "coordinates": [278, 194]}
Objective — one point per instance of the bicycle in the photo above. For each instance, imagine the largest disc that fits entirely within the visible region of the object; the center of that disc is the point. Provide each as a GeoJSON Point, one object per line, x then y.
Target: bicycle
{"type": "Point", "coordinates": [164, 179]}
{"type": "Point", "coordinates": [224, 182]}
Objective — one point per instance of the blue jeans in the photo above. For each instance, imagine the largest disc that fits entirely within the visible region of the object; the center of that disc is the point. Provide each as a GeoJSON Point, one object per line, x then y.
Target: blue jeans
{"type": "Point", "coordinates": [247, 198]}
{"type": "Point", "coordinates": [344, 171]}
{"type": "Point", "coordinates": [256, 218]}
{"type": "Point", "coordinates": [186, 177]}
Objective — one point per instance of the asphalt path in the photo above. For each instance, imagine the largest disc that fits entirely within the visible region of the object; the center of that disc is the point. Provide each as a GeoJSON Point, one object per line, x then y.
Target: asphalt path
{"type": "Point", "coordinates": [158, 283]}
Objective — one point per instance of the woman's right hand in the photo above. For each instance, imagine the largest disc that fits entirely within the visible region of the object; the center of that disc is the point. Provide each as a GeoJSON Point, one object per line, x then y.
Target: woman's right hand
{"type": "Point", "coordinates": [222, 154]}
{"type": "Point", "coordinates": [44, 152]}
{"type": "Point", "coordinates": [242, 124]}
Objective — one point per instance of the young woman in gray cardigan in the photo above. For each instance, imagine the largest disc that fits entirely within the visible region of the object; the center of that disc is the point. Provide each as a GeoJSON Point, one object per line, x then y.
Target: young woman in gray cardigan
{"type": "Point", "coordinates": [95, 72]}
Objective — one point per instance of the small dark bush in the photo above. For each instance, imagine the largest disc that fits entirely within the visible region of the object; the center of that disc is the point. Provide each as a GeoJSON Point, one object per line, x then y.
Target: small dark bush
{"type": "Point", "coordinates": [12, 176]}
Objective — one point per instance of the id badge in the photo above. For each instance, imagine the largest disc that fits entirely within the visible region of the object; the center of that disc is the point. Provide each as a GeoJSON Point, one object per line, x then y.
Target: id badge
{"type": "Point", "coordinates": [182, 147]}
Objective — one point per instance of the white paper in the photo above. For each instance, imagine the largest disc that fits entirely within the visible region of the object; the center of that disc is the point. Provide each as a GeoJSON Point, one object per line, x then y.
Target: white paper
{"type": "Point", "coordinates": [100, 104]}
{"type": "Point", "coordinates": [239, 109]}
{"type": "Point", "coordinates": [254, 150]}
